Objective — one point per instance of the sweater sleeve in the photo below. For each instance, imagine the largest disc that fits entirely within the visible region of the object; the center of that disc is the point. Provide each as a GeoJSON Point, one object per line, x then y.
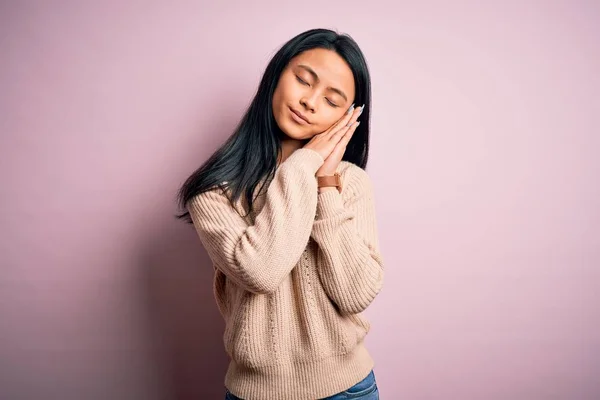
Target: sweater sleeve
{"type": "Point", "coordinates": [258, 257]}
{"type": "Point", "coordinates": [350, 262]}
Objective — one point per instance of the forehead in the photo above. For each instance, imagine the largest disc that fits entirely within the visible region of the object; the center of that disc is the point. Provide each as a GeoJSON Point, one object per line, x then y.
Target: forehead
{"type": "Point", "coordinates": [329, 65]}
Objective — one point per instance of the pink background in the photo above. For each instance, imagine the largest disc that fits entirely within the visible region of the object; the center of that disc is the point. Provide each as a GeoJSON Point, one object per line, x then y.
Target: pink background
{"type": "Point", "coordinates": [484, 156]}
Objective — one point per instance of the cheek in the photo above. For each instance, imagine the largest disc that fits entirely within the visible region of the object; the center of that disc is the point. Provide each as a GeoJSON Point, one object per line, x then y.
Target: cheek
{"type": "Point", "coordinates": [279, 104]}
{"type": "Point", "coordinates": [330, 119]}
{"type": "Point", "coordinates": [281, 92]}
{"type": "Point", "coordinates": [285, 86]}
{"type": "Point", "coordinates": [277, 96]}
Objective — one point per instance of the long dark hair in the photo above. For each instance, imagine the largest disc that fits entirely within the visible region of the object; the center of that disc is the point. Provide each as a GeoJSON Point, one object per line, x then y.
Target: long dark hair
{"type": "Point", "coordinates": [251, 152]}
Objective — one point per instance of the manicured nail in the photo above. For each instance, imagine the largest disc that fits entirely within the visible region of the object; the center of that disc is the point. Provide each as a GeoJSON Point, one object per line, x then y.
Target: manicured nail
{"type": "Point", "coordinates": [350, 109]}
{"type": "Point", "coordinates": [361, 109]}
{"type": "Point", "coordinates": [357, 124]}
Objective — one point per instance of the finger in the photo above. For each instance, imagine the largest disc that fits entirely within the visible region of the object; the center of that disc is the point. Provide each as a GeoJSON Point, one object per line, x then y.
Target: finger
{"type": "Point", "coordinates": [352, 123]}
{"type": "Point", "coordinates": [356, 114]}
{"type": "Point", "coordinates": [354, 117]}
{"type": "Point", "coordinates": [339, 134]}
{"type": "Point", "coordinates": [342, 122]}
{"type": "Point", "coordinates": [346, 138]}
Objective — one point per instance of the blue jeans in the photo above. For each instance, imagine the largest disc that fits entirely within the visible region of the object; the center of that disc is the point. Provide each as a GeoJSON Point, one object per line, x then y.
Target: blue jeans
{"type": "Point", "coordinates": [363, 390]}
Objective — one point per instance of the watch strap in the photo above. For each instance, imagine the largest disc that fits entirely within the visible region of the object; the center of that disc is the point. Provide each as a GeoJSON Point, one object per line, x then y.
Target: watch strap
{"type": "Point", "coordinates": [330, 181]}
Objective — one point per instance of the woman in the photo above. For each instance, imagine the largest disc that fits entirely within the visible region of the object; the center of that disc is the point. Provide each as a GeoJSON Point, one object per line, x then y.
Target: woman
{"type": "Point", "coordinates": [295, 264]}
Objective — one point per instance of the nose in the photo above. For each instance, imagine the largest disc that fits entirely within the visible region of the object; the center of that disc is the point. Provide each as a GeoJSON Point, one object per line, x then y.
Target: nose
{"type": "Point", "coordinates": [309, 103]}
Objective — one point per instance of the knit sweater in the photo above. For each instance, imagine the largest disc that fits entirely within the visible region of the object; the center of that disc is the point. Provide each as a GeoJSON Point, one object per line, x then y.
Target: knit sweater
{"type": "Point", "coordinates": [292, 279]}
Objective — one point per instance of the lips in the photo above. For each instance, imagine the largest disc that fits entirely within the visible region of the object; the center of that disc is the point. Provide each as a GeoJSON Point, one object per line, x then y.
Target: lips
{"type": "Point", "coordinates": [299, 115]}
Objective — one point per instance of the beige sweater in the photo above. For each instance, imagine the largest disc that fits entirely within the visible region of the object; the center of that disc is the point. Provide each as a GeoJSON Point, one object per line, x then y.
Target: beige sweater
{"type": "Point", "coordinates": [292, 279]}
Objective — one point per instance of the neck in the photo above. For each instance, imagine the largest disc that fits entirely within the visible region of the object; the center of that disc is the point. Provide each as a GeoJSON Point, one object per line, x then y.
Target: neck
{"type": "Point", "coordinates": [288, 146]}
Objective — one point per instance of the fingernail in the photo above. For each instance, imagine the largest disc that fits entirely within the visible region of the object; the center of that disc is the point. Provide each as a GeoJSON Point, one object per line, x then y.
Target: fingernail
{"type": "Point", "coordinates": [357, 124]}
{"type": "Point", "coordinates": [361, 109]}
{"type": "Point", "coordinates": [350, 109]}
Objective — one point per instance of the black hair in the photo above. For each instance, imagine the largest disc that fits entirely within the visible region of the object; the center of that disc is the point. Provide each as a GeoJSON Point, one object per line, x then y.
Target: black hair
{"type": "Point", "coordinates": [251, 152]}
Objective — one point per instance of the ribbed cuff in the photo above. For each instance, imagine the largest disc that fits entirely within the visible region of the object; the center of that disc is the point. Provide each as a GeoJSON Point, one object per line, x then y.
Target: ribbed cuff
{"type": "Point", "coordinates": [330, 203]}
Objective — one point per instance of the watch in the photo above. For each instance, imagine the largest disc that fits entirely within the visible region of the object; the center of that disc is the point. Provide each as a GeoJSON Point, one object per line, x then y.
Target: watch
{"type": "Point", "coordinates": [330, 180]}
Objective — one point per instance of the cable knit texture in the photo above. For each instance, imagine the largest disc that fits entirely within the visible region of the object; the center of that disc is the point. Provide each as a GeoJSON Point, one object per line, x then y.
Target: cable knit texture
{"type": "Point", "coordinates": [291, 280]}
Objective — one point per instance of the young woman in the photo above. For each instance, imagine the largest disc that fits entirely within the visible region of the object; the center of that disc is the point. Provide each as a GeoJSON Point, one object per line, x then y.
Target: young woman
{"type": "Point", "coordinates": [296, 259]}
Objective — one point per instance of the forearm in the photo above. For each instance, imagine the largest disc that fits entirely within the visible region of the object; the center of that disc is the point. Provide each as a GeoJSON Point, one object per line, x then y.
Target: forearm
{"type": "Point", "coordinates": [258, 257]}
{"type": "Point", "coordinates": [350, 263]}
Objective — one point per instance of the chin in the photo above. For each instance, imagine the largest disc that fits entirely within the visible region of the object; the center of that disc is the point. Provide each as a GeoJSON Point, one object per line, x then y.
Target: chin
{"type": "Point", "coordinates": [295, 135]}
{"type": "Point", "coordinates": [291, 129]}
{"type": "Point", "coordinates": [294, 132]}
{"type": "Point", "coordinates": [300, 136]}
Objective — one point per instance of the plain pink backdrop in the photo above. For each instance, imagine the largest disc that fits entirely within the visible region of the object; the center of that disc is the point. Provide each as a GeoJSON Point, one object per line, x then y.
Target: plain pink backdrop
{"type": "Point", "coordinates": [484, 157]}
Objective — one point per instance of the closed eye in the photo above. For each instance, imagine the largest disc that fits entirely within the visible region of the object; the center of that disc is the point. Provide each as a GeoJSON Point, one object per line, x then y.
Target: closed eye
{"type": "Point", "coordinates": [331, 104]}
{"type": "Point", "coordinates": [301, 80]}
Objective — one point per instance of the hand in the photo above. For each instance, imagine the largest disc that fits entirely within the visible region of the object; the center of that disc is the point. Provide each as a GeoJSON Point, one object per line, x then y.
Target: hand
{"type": "Point", "coordinates": [327, 142]}
{"type": "Point", "coordinates": [335, 157]}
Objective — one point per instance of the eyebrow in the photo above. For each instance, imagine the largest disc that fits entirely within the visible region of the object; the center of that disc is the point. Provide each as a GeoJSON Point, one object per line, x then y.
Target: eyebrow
{"type": "Point", "coordinates": [316, 78]}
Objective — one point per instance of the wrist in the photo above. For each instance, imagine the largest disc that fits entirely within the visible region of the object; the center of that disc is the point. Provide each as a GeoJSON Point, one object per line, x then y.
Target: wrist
{"type": "Point", "coordinates": [329, 181]}
{"type": "Point", "coordinates": [325, 173]}
{"type": "Point", "coordinates": [327, 189]}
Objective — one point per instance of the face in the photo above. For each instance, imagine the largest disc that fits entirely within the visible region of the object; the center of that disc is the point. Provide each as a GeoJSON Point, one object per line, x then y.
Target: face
{"type": "Point", "coordinates": [314, 91]}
